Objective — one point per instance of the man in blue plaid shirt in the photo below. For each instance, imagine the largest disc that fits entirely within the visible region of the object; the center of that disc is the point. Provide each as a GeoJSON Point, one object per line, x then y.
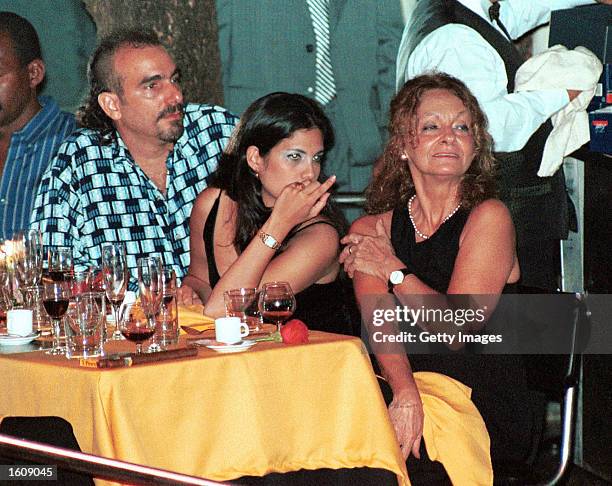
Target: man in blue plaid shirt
{"type": "Point", "coordinates": [32, 127]}
{"type": "Point", "coordinates": [133, 173]}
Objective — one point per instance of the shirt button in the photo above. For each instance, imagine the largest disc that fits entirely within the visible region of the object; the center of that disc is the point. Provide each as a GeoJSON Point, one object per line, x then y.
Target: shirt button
{"type": "Point", "coordinates": [309, 48]}
{"type": "Point", "coordinates": [310, 89]}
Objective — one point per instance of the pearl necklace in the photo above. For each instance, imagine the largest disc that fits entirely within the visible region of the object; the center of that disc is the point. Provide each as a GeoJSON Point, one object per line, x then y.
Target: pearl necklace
{"type": "Point", "coordinates": [416, 230]}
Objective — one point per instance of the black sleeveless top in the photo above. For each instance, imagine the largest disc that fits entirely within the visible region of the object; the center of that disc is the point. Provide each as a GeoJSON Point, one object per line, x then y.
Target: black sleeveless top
{"type": "Point", "coordinates": [498, 382]}
{"type": "Point", "coordinates": [322, 307]}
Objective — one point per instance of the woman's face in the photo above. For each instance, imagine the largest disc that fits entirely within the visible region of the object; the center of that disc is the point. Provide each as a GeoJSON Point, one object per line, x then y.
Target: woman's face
{"type": "Point", "coordinates": [443, 144]}
{"type": "Point", "coordinates": [294, 159]}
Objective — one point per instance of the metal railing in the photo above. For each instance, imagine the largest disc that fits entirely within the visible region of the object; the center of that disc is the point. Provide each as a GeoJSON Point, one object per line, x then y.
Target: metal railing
{"type": "Point", "coordinates": [96, 466]}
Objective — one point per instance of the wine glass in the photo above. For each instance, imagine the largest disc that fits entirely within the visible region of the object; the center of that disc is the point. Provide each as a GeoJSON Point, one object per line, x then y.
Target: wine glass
{"type": "Point", "coordinates": [151, 290]}
{"type": "Point", "coordinates": [137, 327]}
{"type": "Point", "coordinates": [55, 302]}
{"type": "Point", "coordinates": [60, 263]}
{"type": "Point", "coordinates": [115, 271]}
{"type": "Point", "coordinates": [29, 252]}
{"type": "Point", "coordinates": [276, 302]}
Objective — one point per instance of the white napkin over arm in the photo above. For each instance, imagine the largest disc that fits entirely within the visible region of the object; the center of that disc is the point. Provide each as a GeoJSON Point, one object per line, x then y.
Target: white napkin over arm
{"type": "Point", "coordinates": [559, 68]}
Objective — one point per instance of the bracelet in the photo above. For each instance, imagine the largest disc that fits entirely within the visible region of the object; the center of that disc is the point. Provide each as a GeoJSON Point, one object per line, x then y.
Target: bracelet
{"type": "Point", "coordinates": [405, 405]}
{"type": "Point", "coordinates": [269, 240]}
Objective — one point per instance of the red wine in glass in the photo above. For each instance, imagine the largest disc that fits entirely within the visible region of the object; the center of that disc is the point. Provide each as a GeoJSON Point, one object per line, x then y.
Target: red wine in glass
{"type": "Point", "coordinates": [137, 336]}
{"type": "Point", "coordinates": [56, 308]}
{"type": "Point", "coordinates": [277, 302]}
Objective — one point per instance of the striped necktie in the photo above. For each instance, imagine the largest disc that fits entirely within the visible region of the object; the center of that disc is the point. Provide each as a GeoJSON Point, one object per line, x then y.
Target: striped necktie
{"type": "Point", "coordinates": [325, 86]}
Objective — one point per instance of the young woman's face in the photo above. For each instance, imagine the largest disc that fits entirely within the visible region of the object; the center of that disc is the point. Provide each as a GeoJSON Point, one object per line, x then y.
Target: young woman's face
{"type": "Point", "coordinates": [294, 159]}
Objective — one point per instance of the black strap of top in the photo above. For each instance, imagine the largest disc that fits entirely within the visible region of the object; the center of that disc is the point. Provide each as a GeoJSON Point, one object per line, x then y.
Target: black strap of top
{"type": "Point", "coordinates": [209, 243]}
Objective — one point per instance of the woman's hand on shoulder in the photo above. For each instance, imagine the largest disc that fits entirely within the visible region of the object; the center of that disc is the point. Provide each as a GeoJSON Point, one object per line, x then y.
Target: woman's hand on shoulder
{"type": "Point", "coordinates": [300, 202]}
{"type": "Point", "coordinates": [368, 248]}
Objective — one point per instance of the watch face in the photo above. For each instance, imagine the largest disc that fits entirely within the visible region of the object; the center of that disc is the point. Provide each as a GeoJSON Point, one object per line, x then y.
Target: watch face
{"type": "Point", "coordinates": [396, 277]}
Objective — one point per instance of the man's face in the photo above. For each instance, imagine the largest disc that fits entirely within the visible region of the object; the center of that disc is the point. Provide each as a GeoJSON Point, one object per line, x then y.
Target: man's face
{"type": "Point", "coordinates": [16, 92]}
{"type": "Point", "coordinates": [150, 106]}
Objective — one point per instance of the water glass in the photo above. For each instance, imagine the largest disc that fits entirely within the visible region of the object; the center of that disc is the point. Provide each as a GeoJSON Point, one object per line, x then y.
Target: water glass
{"type": "Point", "coordinates": [243, 303]}
{"type": "Point", "coordinates": [34, 301]}
{"type": "Point", "coordinates": [84, 326]}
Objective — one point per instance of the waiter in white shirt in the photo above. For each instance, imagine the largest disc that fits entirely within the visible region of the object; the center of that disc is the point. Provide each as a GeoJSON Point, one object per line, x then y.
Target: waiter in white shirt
{"type": "Point", "coordinates": [460, 37]}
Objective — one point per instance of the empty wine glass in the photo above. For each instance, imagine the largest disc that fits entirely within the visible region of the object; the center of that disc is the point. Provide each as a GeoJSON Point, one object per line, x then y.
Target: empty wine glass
{"type": "Point", "coordinates": [277, 302]}
{"type": "Point", "coordinates": [29, 252]}
{"type": "Point", "coordinates": [60, 263]}
{"type": "Point", "coordinates": [115, 271]}
{"type": "Point", "coordinates": [151, 291]}
{"type": "Point", "coordinates": [137, 327]}
{"type": "Point", "coordinates": [55, 302]}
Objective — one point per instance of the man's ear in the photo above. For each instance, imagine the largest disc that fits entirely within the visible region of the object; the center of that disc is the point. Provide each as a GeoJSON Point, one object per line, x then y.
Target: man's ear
{"type": "Point", "coordinates": [109, 102]}
{"type": "Point", "coordinates": [255, 161]}
{"type": "Point", "coordinates": [36, 72]}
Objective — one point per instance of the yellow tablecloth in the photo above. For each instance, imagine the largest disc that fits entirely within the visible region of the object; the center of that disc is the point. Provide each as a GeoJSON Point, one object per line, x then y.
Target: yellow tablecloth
{"type": "Point", "coordinates": [272, 408]}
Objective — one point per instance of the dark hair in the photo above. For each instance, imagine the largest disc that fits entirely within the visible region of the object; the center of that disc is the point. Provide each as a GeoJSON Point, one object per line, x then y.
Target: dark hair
{"type": "Point", "coordinates": [103, 78]}
{"type": "Point", "coordinates": [24, 37]}
{"type": "Point", "coordinates": [264, 124]}
{"type": "Point", "coordinates": [392, 184]}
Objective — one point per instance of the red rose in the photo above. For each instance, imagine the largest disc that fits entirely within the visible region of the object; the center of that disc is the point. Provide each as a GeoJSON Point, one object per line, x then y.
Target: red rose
{"type": "Point", "coordinates": [294, 332]}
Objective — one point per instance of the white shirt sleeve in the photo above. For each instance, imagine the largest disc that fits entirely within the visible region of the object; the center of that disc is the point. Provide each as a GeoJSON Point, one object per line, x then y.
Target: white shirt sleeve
{"type": "Point", "coordinates": [520, 16]}
{"type": "Point", "coordinates": [461, 52]}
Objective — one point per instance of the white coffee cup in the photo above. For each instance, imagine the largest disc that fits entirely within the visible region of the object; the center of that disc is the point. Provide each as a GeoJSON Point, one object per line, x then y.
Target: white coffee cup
{"type": "Point", "coordinates": [230, 330]}
{"type": "Point", "coordinates": [19, 322]}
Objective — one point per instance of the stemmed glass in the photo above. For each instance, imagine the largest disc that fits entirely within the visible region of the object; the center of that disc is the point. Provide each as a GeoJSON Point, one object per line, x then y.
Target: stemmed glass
{"type": "Point", "coordinates": [277, 302]}
{"type": "Point", "coordinates": [30, 245]}
{"type": "Point", "coordinates": [151, 290]}
{"type": "Point", "coordinates": [115, 271]}
{"type": "Point", "coordinates": [55, 302]}
{"type": "Point", "coordinates": [60, 263]}
{"type": "Point", "coordinates": [137, 327]}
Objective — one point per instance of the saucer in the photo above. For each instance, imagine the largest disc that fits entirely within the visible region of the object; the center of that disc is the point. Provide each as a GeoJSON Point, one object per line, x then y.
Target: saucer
{"type": "Point", "coordinates": [13, 340]}
{"type": "Point", "coordinates": [226, 348]}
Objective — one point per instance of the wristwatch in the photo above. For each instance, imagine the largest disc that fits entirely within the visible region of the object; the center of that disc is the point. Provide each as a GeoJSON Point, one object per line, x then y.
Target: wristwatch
{"type": "Point", "coordinates": [397, 277]}
{"type": "Point", "coordinates": [269, 240]}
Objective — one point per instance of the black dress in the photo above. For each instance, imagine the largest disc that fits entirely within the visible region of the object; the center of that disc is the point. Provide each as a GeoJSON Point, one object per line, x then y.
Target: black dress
{"type": "Point", "coordinates": [499, 388]}
{"type": "Point", "coordinates": [323, 307]}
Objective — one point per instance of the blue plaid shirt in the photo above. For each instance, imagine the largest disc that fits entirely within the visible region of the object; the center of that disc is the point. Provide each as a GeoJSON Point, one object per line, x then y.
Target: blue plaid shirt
{"type": "Point", "coordinates": [94, 193]}
{"type": "Point", "coordinates": [30, 151]}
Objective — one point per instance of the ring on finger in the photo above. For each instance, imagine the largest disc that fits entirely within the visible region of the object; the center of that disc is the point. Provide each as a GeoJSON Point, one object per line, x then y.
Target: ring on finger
{"type": "Point", "coordinates": [350, 249]}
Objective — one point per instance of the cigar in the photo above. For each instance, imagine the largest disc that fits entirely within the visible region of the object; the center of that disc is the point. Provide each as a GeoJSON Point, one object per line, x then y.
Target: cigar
{"type": "Point", "coordinates": [122, 360]}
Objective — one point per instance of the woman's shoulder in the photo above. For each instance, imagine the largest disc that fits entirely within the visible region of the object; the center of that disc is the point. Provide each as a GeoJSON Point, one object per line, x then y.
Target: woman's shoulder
{"type": "Point", "coordinates": [490, 210]}
{"type": "Point", "coordinates": [203, 204]}
{"type": "Point", "coordinates": [367, 224]}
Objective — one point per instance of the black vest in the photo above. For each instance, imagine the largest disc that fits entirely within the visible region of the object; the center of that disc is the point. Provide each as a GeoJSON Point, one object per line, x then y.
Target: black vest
{"type": "Point", "coordinates": [538, 205]}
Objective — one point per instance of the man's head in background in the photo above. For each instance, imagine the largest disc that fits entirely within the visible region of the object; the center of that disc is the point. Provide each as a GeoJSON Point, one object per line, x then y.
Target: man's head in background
{"type": "Point", "coordinates": [22, 71]}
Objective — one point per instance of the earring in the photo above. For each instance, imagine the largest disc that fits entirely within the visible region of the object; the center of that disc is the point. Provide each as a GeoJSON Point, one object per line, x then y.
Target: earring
{"type": "Point", "coordinates": [404, 157]}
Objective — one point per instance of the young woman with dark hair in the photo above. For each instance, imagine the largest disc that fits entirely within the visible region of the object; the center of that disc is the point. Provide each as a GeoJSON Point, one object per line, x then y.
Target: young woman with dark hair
{"type": "Point", "coordinates": [267, 215]}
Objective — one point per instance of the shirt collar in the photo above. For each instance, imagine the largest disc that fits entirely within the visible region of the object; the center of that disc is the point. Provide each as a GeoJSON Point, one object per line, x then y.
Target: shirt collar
{"type": "Point", "coordinates": [39, 122]}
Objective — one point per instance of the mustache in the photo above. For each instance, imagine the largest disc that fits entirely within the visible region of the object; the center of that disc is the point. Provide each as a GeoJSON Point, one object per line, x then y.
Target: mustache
{"type": "Point", "coordinates": [178, 108]}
